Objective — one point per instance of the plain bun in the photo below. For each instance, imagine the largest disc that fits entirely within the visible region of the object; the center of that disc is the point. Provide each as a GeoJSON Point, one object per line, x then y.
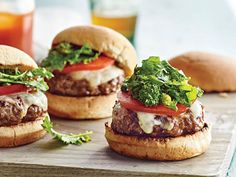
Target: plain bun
{"type": "Point", "coordinates": [23, 133]}
{"type": "Point", "coordinates": [11, 57]}
{"type": "Point", "coordinates": [178, 148]}
{"type": "Point", "coordinates": [213, 73]}
{"type": "Point", "coordinates": [104, 40]}
{"type": "Point", "coordinates": [92, 107]}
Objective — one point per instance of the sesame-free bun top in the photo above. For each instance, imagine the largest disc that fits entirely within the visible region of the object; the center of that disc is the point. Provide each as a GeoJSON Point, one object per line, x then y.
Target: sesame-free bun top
{"type": "Point", "coordinates": [104, 40]}
{"type": "Point", "coordinates": [11, 57]}
{"type": "Point", "coordinates": [211, 72]}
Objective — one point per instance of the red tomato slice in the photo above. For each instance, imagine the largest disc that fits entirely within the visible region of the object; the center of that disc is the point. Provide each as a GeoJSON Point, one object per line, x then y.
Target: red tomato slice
{"type": "Point", "coordinates": [99, 63]}
{"type": "Point", "coordinates": [128, 102]}
{"type": "Point", "coordinates": [15, 88]}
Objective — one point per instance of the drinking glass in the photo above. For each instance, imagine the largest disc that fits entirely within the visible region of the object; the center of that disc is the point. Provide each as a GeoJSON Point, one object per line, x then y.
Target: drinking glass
{"type": "Point", "coordinates": [16, 24]}
{"type": "Point", "coordinates": [120, 15]}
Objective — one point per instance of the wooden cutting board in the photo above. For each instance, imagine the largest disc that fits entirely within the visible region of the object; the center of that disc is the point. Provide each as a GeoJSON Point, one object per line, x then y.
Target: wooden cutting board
{"type": "Point", "coordinates": [50, 158]}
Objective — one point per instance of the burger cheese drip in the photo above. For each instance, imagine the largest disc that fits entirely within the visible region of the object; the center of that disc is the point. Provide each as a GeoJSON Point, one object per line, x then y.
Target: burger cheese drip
{"type": "Point", "coordinates": [38, 99]}
{"type": "Point", "coordinates": [147, 121]}
{"type": "Point", "coordinates": [196, 109]}
{"type": "Point", "coordinates": [22, 107]}
{"type": "Point", "coordinates": [28, 99]}
{"type": "Point", "coordinates": [97, 77]}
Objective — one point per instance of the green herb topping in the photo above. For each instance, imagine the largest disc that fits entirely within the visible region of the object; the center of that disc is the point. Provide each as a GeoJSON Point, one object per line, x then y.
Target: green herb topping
{"type": "Point", "coordinates": [76, 139]}
{"type": "Point", "coordinates": [66, 53]}
{"type": "Point", "coordinates": [157, 82]}
{"type": "Point", "coordinates": [32, 78]}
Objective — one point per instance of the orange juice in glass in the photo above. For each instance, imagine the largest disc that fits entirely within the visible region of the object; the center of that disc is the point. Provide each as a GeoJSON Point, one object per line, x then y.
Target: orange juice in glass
{"type": "Point", "coordinates": [120, 15]}
{"type": "Point", "coordinates": [16, 24]}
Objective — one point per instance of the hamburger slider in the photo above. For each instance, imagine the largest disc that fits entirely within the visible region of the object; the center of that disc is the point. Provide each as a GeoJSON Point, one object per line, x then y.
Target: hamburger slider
{"type": "Point", "coordinates": [23, 103]}
{"type": "Point", "coordinates": [89, 64]}
{"type": "Point", "coordinates": [158, 115]}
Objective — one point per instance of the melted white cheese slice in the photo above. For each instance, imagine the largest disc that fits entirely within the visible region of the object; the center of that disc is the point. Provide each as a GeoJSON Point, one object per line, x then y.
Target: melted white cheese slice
{"type": "Point", "coordinates": [147, 121]}
{"type": "Point", "coordinates": [98, 77]}
{"type": "Point", "coordinates": [167, 125]}
{"type": "Point", "coordinates": [38, 98]}
{"type": "Point", "coordinates": [196, 109]}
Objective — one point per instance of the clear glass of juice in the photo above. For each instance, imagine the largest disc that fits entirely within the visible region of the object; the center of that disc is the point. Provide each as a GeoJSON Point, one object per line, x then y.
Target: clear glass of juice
{"type": "Point", "coordinates": [16, 24]}
{"type": "Point", "coordinates": [120, 15]}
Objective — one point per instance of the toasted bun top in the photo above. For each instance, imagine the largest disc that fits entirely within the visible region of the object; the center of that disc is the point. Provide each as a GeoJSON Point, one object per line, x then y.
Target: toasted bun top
{"type": "Point", "coordinates": [211, 72]}
{"type": "Point", "coordinates": [104, 40]}
{"type": "Point", "coordinates": [11, 57]}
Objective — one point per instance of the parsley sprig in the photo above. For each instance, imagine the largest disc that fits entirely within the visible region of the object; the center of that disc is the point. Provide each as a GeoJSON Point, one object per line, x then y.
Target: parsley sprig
{"type": "Point", "coordinates": [65, 53]}
{"type": "Point", "coordinates": [76, 139]}
{"type": "Point", "coordinates": [157, 82]}
{"type": "Point", "coordinates": [32, 78]}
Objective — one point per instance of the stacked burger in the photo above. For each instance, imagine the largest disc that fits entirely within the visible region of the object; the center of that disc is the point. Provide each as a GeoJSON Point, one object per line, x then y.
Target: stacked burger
{"type": "Point", "coordinates": [158, 115]}
{"type": "Point", "coordinates": [23, 103]}
{"type": "Point", "coordinates": [89, 64]}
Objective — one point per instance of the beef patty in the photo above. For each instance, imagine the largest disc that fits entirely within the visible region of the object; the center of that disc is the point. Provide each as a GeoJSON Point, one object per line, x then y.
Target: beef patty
{"type": "Point", "coordinates": [11, 112]}
{"type": "Point", "coordinates": [125, 121]}
{"type": "Point", "coordinates": [64, 84]}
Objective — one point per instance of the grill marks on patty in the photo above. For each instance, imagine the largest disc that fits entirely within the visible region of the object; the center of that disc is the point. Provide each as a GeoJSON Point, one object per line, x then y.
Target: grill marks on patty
{"type": "Point", "coordinates": [125, 121]}
{"type": "Point", "coordinates": [64, 84]}
{"type": "Point", "coordinates": [11, 112]}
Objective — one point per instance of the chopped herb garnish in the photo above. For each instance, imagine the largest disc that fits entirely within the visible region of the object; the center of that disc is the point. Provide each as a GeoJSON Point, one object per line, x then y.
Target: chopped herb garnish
{"type": "Point", "coordinates": [66, 53]}
{"type": "Point", "coordinates": [157, 82]}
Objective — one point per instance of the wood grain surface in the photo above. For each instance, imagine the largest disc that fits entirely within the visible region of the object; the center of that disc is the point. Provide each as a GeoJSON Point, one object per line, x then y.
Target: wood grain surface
{"type": "Point", "coordinates": [50, 158]}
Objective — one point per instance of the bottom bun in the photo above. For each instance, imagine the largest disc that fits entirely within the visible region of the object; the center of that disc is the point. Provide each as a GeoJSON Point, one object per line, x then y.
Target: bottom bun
{"type": "Point", "coordinates": [93, 107]}
{"type": "Point", "coordinates": [23, 133]}
{"type": "Point", "coordinates": [178, 148]}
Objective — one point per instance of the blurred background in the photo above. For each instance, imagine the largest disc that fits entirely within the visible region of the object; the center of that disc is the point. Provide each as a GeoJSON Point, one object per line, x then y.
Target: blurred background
{"type": "Point", "coordinates": [163, 27]}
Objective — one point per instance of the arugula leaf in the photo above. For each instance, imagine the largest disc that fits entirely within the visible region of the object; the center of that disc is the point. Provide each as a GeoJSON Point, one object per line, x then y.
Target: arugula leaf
{"type": "Point", "coordinates": [66, 53]}
{"type": "Point", "coordinates": [76, 139]}
{"type": "Point", "coordinates": [157, 82]}
{"type": "Point", "coordinates": [33, 78]}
